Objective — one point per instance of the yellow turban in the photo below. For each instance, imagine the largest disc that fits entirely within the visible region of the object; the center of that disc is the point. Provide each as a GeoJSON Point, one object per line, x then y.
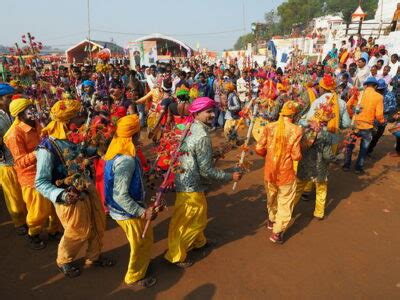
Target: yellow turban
{"type": "Point", "coordinates": [19, 105]}
{"type": "Point", "coordinates": [15, 83]}
{"type": "Point", "coordinates": [61, 112]}
{"type": "Point", "coordinates": [289, 108]}
{"type": "Point", "coordinates": [16, 107]}
{"type": "Point", "coordinates": [122, 142]}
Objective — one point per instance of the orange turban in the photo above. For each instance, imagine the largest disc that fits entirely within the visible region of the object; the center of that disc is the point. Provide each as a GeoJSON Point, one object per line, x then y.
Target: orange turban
{"type": "Point", "coordinates": [122, 142]}
{"type": "Point", "coordinates": [327, 83]}
{"type": "Point", "coordinates": [229, 86]}
{"type": "Point", "coordinates": [290, 108]}
{"type": "Point", "coordinates": [61, 112]}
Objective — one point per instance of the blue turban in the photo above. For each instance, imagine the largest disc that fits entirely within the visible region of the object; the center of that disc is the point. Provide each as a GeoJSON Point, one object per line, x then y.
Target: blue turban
{"type": "Point", "coordinates": [6, 89]}
{"type": "Point", "coordinates": [88, 83]}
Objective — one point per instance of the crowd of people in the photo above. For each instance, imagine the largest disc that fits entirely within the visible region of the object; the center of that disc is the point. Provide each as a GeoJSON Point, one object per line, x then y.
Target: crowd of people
{"type": "Point", "coordinates": [71, 151]}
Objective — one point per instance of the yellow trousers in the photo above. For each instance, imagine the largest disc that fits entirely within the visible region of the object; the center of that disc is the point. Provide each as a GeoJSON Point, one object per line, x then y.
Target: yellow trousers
{"type": "Point", "coordinates": [186, 230]}
{"type": "Point", "coordinates": [280, 204]}
{"type": "Point", "coordinates": [12, 195]}
{"type": "Point", "coordinates": [140, 255]}
{"type": "Point", "coordinates": [321, 190]}
{"type": "Point", "coordinates": [229, 125]}
{"type": "Point", "coordinates": [83, 221]}
{"type": "Point", "coordinates": [309, 187]}
{"type": "Point", "coordinates": [40, 210]}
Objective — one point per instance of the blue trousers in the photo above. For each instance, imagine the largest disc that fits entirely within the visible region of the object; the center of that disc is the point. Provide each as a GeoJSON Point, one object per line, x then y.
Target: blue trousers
{"type": "Point", "coordinates": [366, 138]}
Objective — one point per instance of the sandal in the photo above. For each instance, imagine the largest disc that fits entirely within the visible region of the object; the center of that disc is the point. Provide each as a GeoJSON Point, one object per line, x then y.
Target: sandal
{"type": "Point", "coordinates": [36, 243]}
{"type": "Point", "coordinates": [185, 264]}
{"type": "Point", "coordinates": [103, 262]}
{"type": "Point", "coordinates": [147, 282]}
{"type": "Point", "coordinates": [69, 270]}
{"type": "Point", "coordinates": [21, 230]}
{"type": "Point", "coordinates": [56, 237]}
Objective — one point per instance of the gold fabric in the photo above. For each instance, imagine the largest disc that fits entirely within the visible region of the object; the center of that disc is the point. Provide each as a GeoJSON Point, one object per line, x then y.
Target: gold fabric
{"type": "Point", "coordinates": [83, 222]}
{"type": "Point", "coordinates": [13, 195]}
{"type": "Point", "coordinates": [140, 254]}
{"type": "Point", "coordinates": [40, 210]}
{"type": "Point", "coordinates": [280, 203]}
{"type": "Point", "coordinates": [186, 229]}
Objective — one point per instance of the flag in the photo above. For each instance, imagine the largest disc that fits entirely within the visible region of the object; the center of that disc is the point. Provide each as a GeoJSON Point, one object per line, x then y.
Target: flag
{"type": "Point", "coordinates": [141, 51]}
{"type": "Point", "coordinates": [198, 45]}
{"type": "Point", "coordinates": [272, 48]}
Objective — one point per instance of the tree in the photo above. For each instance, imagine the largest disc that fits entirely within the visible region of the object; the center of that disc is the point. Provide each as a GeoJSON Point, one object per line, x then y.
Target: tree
{"type": "Point", "coordinates": [301, 12]}
{"type": "Point", "coordinates": [347, 7]}
{"type": "Point", "coordinates": [242, 42]}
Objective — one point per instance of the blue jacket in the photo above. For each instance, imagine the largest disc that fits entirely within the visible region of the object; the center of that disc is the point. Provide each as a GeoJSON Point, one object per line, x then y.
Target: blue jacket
{"type": "Point", "coordinates": [124, 189]}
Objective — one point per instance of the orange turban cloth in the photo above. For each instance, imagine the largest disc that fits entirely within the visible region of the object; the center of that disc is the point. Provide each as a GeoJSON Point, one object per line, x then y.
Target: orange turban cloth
{"type": "Point", "coordinates": [327, 82]}
{"type": "Point", "coordinates": [61, 112]}
{"type": "Point", "coordinates": [16, 107]}
{"type": "Point", "coordinates": [289, 109]}
{"type": "Point", "coordinates": [122, 141]}
{"type": "Point", "coordinates": [229, 86]}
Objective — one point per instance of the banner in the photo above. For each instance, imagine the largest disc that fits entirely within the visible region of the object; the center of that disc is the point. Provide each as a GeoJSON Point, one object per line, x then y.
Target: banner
{"type": "Point", "coordinates": [142, 53]}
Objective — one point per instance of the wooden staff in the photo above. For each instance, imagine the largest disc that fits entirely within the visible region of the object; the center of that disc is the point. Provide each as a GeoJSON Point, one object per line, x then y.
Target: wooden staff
{"type": "Point", "coordinates": [157, 204]}
{"type": "Point", "coordinates": [248, 137]}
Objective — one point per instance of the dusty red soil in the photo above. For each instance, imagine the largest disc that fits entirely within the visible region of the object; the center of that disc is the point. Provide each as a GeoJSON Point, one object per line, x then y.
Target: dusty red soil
{"type": "Point", "coordinates": [353, 253]}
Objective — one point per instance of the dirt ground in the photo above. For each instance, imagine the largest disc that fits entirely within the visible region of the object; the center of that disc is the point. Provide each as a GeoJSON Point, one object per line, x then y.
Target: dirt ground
{"type": "Point", "coordinates": [354, 253]}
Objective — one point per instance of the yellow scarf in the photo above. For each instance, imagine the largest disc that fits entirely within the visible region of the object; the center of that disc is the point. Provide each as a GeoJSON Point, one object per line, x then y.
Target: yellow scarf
{"type": "Point", "coordinates": [61, 112]}
{"type": "Point", "coordinates": [122, 142]}
{"type": "Point", "coordinates": [333, 124]}
{"type": "Point", "coordinates": [311, 95]}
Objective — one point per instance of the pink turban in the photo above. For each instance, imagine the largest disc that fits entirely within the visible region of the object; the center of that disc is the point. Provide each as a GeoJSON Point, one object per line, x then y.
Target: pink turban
{"type": "Point", "coordinates": [261, 74]}
{"type": "Point", "coordinates": [201, 104]}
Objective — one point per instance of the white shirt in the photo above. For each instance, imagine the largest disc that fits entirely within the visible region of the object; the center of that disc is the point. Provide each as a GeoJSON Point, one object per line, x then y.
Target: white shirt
{"type": "Point", "coordinates": [372, 62]}
{"type": "Point", "coordinates": [385, 59]}
{"type": "Point", "coordinates": [393, 68]}
{"type": "Point", "coordinates": [151, 81]}
{"type": "Point", "coordinates": [242, 89]}
{"type": "Point", "coordinates": [362, 75]}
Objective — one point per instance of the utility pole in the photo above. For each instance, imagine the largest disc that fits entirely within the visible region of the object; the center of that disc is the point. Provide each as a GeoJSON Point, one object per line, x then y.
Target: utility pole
{"type": "Point", "coordinates": [244, 18]}
{"type": "Point", "coordinates": [88, 20]}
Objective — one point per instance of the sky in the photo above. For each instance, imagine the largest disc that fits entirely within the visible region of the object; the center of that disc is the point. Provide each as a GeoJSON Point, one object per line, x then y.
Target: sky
{"type": "Point", "coordinates": [214, 24]}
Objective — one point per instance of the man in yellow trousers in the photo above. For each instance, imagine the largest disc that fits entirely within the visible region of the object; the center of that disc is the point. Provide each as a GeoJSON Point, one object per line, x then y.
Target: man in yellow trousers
{"type": "Point", "coordinates": [81, 213]}
{"type": "Point", "coordinates": [280, 145]}
{"type": "Point", "coordinates": [124, 188]}
{"type": "Point", "coordinates": [22, 139]}
{"type": "Point", "coordinates": [8, 177]}
{"type": "Point", "coordinates": [186, 229]}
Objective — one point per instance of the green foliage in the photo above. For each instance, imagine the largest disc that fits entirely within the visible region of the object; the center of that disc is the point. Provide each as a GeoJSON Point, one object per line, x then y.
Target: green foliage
{"type": "Point", "coordinates": [301, 12]}
{"type": "Point", "coordinates": [347, 7]}
{"type": "Point", "coordinates": [242, 42]}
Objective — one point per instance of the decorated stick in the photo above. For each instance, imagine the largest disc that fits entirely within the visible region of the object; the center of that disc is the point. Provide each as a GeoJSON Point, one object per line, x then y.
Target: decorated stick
{"type": "Point", "coordinates": [19, 52]}
{"type": "Point", "coordinates": [248, 137]}
{"type": "Point", "coordinates": [233, 134]}
{"type": "Point", "coordinates": [157, 204]}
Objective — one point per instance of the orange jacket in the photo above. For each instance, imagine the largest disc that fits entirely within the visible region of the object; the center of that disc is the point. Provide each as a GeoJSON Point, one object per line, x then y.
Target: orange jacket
{"type": "Point", "coordinates": [371, 109]}
{"type": "Point", "coordinates": [280, 172]}
{"type": "Point", "coordinates": [22, 142]}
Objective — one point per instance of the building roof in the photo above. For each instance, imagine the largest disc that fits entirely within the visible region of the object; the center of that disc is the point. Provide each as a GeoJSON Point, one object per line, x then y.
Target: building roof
{"type": "Point", "coordinates": [154, 36]}
{"type": "Point", "coordinates": [114, 48]}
